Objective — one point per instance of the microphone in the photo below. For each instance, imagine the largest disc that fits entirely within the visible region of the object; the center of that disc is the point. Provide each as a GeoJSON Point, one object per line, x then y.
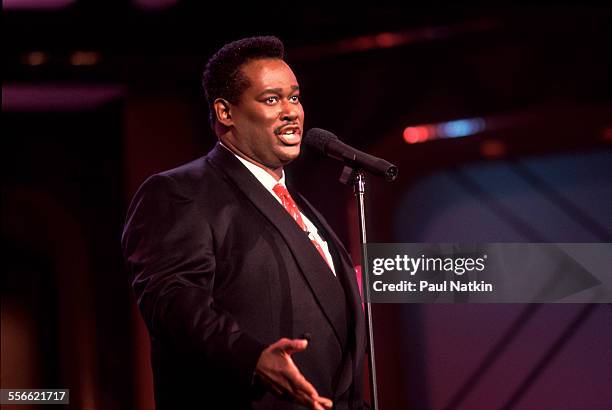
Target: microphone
{"type": "Point", "coordinates": [329, 145]}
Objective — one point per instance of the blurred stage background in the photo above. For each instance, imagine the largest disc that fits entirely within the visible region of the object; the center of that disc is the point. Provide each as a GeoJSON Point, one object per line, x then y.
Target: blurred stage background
{"type": "Point", "coordinates": [500, 119]}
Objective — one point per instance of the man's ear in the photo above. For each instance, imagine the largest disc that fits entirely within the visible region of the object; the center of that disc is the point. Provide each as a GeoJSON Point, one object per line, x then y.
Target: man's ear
{"type": "Point", "coordinates": [223, 112]}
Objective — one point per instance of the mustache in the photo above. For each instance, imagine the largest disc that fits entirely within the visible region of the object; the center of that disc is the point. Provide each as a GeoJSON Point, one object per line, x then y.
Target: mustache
{"type": "Point", "coordinates": [278, 129]}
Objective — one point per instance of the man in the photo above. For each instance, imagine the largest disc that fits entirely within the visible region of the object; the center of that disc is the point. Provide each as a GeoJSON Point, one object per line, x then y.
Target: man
{"type": "Point", "coordinates": [249, 297]}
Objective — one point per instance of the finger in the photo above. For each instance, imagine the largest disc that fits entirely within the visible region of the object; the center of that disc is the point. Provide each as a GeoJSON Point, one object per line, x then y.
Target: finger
{"type": "Point", "coordinates": [322, 401]}
{"type": "Point", "coordinates": [305, 393]}
{"type": "Point", "coordinates": [309, 401]}
{"type": "Point", "coordinates": [317, 406]}
{"type": "Point", "coordinates": [325, 402]}
{"type": "Point", "coordinates": [303, 398]}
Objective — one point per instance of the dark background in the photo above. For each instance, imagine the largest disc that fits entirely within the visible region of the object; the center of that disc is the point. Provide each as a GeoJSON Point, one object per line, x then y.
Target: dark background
{"type": "Point", "coordinates": [98, 95]}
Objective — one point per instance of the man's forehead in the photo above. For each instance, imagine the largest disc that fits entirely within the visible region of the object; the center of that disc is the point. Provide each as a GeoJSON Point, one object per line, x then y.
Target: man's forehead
{"type": "Point", "coordinates": [269, 73]}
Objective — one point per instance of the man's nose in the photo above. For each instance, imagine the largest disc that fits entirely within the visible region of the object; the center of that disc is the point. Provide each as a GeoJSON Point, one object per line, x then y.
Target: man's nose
{"type": "Point", "coordinates": [289, 112]}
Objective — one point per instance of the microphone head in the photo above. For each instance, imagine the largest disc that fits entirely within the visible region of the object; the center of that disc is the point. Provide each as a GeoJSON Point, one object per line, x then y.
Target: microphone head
{"type": "Point", "coordinates": [318, 139]}
{"type": "Point", "coordinates": [329, 145]}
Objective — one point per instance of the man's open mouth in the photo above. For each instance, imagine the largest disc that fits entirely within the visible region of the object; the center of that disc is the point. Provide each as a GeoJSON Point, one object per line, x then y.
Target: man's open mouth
{"type": "Point", "coordinates": [290, 135]}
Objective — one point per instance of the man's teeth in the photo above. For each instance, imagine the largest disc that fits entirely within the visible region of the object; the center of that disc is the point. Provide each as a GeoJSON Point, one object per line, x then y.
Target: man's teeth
{"type": "Point", "coordinates": [290, 132]}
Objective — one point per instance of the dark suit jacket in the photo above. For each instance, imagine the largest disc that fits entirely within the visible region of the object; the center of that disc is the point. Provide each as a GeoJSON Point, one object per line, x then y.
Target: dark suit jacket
{"type": "Point", "coordinates": [220, 271]}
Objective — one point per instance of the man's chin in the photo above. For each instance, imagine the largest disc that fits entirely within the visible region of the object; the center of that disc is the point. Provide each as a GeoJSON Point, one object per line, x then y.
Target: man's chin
{"type": "Point", "coordinates": [288, 153]}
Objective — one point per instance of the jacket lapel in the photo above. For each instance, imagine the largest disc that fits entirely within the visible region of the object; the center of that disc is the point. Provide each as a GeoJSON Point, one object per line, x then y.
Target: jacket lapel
{"type": "Point", "coordinates": [320, 279]}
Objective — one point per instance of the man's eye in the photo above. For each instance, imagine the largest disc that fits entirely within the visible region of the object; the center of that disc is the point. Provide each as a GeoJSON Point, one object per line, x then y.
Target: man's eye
{"type": "Point", "coordinates": [271, 100]}
{"type": "Point", "coordinates": [294, 98]}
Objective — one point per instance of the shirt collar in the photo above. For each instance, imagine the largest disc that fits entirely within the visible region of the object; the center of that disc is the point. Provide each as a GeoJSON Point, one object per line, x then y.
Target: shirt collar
{"type": "Point", "coordinates": [267, 180]}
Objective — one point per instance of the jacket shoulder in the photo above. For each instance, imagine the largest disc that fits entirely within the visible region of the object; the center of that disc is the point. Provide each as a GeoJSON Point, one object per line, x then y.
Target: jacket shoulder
{"type": "Point", "coordinates": [190, 179]}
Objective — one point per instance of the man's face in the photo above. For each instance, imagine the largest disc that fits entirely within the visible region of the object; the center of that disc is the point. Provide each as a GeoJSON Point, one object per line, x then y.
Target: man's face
{"type": "Point", "coordinates": [268, 120]}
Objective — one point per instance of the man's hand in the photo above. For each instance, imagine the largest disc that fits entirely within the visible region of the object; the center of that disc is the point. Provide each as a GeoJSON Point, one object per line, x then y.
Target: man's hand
{"type": "Point", "coordinates": [278, 371]}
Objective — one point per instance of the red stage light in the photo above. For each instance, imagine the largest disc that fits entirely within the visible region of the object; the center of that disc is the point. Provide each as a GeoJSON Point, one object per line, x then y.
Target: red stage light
{"type": "Point", "coordinates": [387, 40]}
{"type": "Point", "coordinates": [421, 133]}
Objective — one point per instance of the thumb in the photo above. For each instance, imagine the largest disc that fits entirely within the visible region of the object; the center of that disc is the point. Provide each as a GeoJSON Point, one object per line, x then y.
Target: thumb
{"type": "Point", "coordinates": [291, 346]}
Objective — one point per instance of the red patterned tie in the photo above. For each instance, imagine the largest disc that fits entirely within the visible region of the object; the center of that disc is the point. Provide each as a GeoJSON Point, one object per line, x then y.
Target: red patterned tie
{"type": "Point", "coordinates": [293, 210]}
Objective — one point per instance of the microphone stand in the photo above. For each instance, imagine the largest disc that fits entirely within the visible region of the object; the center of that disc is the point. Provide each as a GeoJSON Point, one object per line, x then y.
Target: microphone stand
{"type": "Point", "coordinates": [355, 177]}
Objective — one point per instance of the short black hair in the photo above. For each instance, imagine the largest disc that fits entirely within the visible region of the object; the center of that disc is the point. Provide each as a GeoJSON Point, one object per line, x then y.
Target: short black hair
{"type": "Point", "coordinates": [222, 77]}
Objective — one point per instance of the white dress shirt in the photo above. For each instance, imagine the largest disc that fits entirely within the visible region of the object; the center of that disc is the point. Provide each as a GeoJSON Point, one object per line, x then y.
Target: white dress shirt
{"type": "Point", "coordinates": [268, 181]}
